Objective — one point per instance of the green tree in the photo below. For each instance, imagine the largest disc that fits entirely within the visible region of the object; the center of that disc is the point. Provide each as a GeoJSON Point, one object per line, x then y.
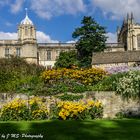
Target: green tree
{"type": "Point", "coordinates": [91, 38]}
{"type": "Point", "coordinates": [67, 60]}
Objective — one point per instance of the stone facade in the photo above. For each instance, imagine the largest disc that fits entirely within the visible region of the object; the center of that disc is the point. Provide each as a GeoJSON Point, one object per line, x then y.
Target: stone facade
{"type": "Point", "coordinates": [129, 33]}
{"type": "Point", "coordinates": [45, 54]}
{"type": "Point", "coordinates": [114, 104]}
{"type": "Point", "coordinates": [126, 51]}
{"type": "Point", "coordinates": [26, 46]}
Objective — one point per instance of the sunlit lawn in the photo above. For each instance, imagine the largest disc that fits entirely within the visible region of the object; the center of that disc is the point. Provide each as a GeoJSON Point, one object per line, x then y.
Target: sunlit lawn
{"type": "Point", "coordinates": [124, 129]}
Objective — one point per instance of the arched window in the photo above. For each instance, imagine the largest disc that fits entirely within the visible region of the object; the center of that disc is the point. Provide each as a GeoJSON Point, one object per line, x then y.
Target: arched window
{"type": "Point", "coordinates": [18, 52]}
{"type": "Point", "coordinates": [138, 40]}
{"type": "Point", "coordinates": [26, 30]}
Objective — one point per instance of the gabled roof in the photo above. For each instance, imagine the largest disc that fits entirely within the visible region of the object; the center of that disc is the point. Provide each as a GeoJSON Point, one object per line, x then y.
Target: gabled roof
{"type": "Point", "coordinates": [115, 57]}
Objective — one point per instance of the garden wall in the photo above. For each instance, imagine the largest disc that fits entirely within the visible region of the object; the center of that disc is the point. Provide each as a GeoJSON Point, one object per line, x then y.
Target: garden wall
{"type": "Point", "coordinates": [112, 103]}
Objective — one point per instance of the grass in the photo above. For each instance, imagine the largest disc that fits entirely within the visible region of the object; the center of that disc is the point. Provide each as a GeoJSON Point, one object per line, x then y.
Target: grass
{"type": "Point", "coordinates": [125, 129]}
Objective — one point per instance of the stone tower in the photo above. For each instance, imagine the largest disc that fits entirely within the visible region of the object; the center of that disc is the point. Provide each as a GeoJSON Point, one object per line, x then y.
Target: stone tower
{"type": "Point", "coordinates": [129, 33]}
{"type": "Point", "coordinates": [27, 39]}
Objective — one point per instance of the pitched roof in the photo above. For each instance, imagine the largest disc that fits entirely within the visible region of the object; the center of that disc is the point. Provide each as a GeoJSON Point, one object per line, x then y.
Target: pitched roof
{"type": "Point", "coordinates": [115, 57]}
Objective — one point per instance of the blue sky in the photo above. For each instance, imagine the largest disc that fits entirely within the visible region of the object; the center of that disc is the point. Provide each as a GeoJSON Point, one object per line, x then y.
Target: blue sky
{"type": "Point", "coordinates": [55, 20]}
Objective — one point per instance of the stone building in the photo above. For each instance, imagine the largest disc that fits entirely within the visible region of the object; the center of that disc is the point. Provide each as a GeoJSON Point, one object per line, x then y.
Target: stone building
{"type": "Point", "coordinates": [126, 51]}
{"type": "Point", "coordinates": [26, 46]}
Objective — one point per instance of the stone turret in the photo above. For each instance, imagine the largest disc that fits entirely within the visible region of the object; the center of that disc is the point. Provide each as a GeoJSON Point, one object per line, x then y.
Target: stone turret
{"type": "Point", "coordinates": [27, 39]}
{"type": "Point", "coordinates": [26, 30]}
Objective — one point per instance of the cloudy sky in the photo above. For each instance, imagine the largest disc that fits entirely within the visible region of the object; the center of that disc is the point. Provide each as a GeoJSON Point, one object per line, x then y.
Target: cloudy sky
{"type": "Point", "coordinates": [55, 20]}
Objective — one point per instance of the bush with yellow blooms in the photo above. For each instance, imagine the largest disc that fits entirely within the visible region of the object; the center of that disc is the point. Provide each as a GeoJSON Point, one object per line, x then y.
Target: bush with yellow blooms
{"type": "Point", "coordinates": [85, 76]}
{"type": "Point", "coordinates": [79, 110]}
{"type": "Point", "coordinates": [19, 109]}
{"type": "Point", "coordinates": [38, 109]}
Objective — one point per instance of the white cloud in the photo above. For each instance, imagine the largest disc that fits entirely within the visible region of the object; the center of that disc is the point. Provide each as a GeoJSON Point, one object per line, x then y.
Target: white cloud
{"type": "Point", "coordinates": [8, 24]}
{"type": "Point", "coordinates": [16, 6]}
{"type": "Point", "coordinates": [49, 8]}
{"type": "Point", "coordinates": [8, 35]}
{"type": "Point", "coordinates": [116, 9]}
{"type": "Point", "coordinates": [72, 41]}
{"type": "Point", "coordinates": [41, 37]}
{"type": "Point", "coordinates": [44, 38]}
{"type": "Point", "coordinates": [4, 2]}
{"type": "Point", "coordinates": [112, 37]}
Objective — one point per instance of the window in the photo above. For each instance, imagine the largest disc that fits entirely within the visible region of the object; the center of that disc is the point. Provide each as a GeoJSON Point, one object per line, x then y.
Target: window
{"type": "Point", "coordinates": [18, 52]}
{"type": "Point", "coordinates": [57, 54]}
{"type": "Point", "coordinates": [31, 31]}
{"type": "Point", "coordinates": [48, 55]}
{"type": "Point", "coordinates": [138, 40]}
{"type": "Point", "coordinates": [7, 54]}
{"type": "Point", "coordinates": [26, 31]}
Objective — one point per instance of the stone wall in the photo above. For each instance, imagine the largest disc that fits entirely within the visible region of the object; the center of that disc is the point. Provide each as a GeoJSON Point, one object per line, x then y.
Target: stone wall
{"type": "Point", "coordinates": [112, 103]}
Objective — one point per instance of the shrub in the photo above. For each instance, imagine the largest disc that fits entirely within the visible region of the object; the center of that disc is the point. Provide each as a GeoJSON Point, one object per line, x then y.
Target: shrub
{"type": "Point", "coordinates": [68, 80]}
{"type": "Point", "coordinates": [84, 76]}
{"type": "Point", "coordinates": [58, 87]}
{"type": "Point", "coordinates": [129, 85]}
{"type": "Point", "coordinates": [38, 109]}
{"type": "Point", "coordinates": [108, 83]}
{"type": "Point", "coordinates": [19, 109]}
{"type": "Point", "coordinates": [14, 110]}
{"type": "Point", "coordinates": [15, 71]}
{"type": "Point", "coordinates": [68, 110]}
{"type": "Point", "coordinates": [67, 60]}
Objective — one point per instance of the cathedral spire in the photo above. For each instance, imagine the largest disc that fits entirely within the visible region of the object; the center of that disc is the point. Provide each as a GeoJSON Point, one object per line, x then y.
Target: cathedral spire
{"type": "Point", "coordinates": [127, 16]}
{"type": "Point", "coordinates": [132, 17]}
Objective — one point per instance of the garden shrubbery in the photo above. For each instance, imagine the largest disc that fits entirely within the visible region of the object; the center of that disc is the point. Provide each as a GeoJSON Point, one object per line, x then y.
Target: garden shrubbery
{"type": "Point", "coordinates": [84, 109]}
{"type": "Point", "coordinates": [38, 109]}
{"type": "Point", "coordinates": [84, 76]}
{"type": "Point", "coordinates": [129, 85]}
{"type": "Point", "coordinates": [108, 83]}
{"type": "Point", "coordinates": [64, 80]}
{"type": "Point", "coordinates": [17, 75]}
{"type": "Point", "coordinates": [19, 109]}
{"type": "Point", "coordinates": [122, 82]}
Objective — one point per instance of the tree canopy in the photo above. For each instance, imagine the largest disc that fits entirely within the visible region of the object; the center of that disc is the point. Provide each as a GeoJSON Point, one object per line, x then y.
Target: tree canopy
{"type": "Point", "coordinates": [67, 60]}
{"type": "Point", "coordinates": [91, 38]}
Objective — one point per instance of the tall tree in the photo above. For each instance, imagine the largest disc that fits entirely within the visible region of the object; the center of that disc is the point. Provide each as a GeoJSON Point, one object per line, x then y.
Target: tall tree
{"type": "Point", "coordinates": [91, 38]}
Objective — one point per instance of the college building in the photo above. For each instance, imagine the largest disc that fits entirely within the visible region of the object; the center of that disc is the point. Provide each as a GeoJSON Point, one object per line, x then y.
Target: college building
{"type": "Point", "coordinates": [125, 52]}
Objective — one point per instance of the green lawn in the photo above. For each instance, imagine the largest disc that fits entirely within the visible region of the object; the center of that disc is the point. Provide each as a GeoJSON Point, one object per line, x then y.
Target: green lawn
{"type": "Point", "coordinates": [126, 129]}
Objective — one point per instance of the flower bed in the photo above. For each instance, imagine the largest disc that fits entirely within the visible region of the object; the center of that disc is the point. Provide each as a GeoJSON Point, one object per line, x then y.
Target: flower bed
{"type": "Point", "coordinates": [84, 76]}
{"type": "Point", "coordinates": [81, 110]}
{"type": "Point", "coordinates": [39, 109]}
{"type": "Point", "coordinates": [19, 109]}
